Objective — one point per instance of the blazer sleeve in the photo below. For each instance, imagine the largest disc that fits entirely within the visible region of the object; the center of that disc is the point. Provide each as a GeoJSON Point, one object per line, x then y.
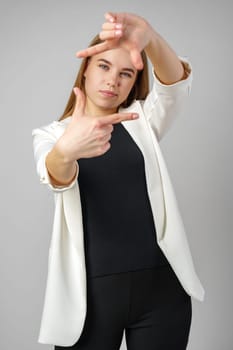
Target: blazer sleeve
{"type": "Point", "coordinates": [44, 139]}
{"type": "Point", "coordinates": [165, 102]}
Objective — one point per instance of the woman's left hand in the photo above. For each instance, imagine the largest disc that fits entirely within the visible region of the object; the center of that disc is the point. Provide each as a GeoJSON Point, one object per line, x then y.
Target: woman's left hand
{"type": "Point", "coordinates": [125, 30]}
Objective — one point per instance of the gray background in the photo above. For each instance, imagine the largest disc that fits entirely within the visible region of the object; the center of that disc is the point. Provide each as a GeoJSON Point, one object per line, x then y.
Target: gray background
{"type": "Point", "coordinates": [38, 66]}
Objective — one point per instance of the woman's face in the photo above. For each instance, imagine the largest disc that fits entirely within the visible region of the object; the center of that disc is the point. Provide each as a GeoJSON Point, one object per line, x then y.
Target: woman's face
{"type": "Point", "coordinates": [109, 78]}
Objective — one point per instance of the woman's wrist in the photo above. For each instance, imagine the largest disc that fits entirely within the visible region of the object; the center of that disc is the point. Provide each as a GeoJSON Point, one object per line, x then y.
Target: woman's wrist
{"type": "Point", "coordinates": [167, 65]}
{"type": "Point", "coordinates": [62, 169]}
{"type": "Point", "coordinates": [61, 151]}
{"type": "Point", "coordinates": [152, 36]}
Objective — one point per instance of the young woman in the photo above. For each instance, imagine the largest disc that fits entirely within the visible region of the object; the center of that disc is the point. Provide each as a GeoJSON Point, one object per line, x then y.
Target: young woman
{"type": "Point", "coordinates": [119, 259]}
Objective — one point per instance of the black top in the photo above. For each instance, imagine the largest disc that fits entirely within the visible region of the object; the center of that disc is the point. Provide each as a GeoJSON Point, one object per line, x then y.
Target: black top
{"type": "Point", "coordinates": [119, 231]}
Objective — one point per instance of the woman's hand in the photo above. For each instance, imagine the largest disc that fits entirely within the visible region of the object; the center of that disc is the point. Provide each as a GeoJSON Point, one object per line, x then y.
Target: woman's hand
{"type": "Point", "coordinates": [125, 30]}
{"type": "Point", "coordinates": [88, 136]}
{"type": "Point", "coordinates": [85, 137]}
{"type": "Point", "coordinates": [135, 34]}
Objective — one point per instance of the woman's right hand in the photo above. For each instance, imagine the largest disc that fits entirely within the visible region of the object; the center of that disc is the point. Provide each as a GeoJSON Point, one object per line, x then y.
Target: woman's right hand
{"type": "Point", "coordinates": [88, 136]}
{"type": "Point", "coordinates": [85, 137]}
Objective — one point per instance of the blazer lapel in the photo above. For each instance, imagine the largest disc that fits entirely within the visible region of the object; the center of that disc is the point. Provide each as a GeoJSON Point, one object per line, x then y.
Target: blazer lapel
{"type": "Point", "coordinates": [139, 131]}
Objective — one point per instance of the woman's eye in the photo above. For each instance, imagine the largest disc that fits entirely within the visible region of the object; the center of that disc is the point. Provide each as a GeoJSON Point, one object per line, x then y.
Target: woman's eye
{"type": "Point", "coordinates": [103, 66]}
{"type": "Point", "coordinates": [126, 74]}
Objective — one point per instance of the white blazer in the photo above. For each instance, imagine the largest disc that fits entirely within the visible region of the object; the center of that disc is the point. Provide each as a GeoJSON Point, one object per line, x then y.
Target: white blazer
{"type": "Point", "coordinates": [65, 303]}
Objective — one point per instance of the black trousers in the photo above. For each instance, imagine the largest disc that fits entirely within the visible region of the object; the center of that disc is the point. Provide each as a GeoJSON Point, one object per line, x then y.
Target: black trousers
{"type": "Point", "coordinates": [150, 305]}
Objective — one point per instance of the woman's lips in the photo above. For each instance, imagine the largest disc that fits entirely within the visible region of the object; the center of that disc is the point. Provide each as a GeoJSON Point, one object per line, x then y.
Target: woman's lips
{"type": "Point", "coordinates": [108, 93]}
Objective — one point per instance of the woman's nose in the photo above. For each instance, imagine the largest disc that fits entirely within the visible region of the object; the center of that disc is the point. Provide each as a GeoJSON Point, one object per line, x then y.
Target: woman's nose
{"type": "Point", "coordinates": [113, 80]}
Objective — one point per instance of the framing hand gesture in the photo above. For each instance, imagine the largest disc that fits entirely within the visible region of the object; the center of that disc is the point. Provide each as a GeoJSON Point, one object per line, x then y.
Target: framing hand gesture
{"type": "Point", "coordinates": [125, 30]}
{"type": "Point", "coordinates": [87, 136]}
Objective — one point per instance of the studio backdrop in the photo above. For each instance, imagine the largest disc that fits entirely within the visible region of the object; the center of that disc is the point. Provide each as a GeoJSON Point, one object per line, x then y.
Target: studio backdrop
{"type": "Point", "coordinates": [39, 40]}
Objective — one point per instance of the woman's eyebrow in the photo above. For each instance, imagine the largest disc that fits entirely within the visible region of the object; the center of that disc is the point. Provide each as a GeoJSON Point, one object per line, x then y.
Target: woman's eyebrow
{"type": "Point", "coordinates": [109, 63]}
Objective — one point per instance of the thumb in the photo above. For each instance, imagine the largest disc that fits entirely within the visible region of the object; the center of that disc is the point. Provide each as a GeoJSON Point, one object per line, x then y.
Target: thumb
{"type": "Point", "coordinates": [136, 59]}
{"type": "Point", "coordinates": [80, 102]}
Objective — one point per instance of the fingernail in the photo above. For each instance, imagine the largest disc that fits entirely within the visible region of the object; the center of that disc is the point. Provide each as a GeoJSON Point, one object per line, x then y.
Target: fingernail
{"type": "Point", "coordinates": [118, 32]}
{"type": "Point", "coordinates": [118, 25]}
{"type": "Point", "coordinates": [135, 116]}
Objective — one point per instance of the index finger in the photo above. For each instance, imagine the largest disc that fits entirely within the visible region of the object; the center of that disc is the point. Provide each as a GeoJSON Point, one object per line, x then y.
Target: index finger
{"type": "Point", "coordinates": [93, 50]}
{"type": "Point", "coordinates": [117, 118]}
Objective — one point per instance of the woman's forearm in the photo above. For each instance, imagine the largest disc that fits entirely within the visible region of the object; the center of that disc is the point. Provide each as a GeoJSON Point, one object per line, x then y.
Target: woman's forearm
{"type": "Point", "coordinates": [167, 65]}
{"type": "Point", "coordinates": [61, 171]}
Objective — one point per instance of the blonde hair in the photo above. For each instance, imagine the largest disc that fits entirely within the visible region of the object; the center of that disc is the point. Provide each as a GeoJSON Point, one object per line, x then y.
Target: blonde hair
{"type": "Point", "coordinates": [139, 90]}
